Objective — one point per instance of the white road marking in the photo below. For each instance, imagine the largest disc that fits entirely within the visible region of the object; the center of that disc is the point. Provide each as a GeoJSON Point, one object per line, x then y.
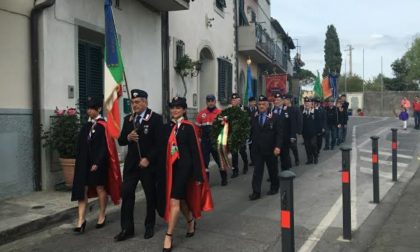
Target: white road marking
{"type": "Point", "coordinates": [385, 153]}
{"type": "Point", "coordinates": [319, 231]}
{"type": "Point", "coordinates": [368, 140]}
{"type": "Point", "coordinates": [369, 159]}
{"type": "Point", "coordinates": [383, 174]}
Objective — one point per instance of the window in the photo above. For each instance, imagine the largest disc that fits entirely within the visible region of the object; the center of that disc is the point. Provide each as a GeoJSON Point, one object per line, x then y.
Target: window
{"type": "Point", "coordinates": [225, 80]}
{"type": "Point", "coordinates": [90, 75]}
{"type": "Point", "coordinates": [180, 50]}
{"type": "Point", "coordinates": [220, 4]}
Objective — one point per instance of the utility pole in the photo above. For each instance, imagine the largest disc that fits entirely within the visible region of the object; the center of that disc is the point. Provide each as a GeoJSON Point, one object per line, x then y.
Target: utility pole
{"type": "Point", "coordinates": [350, 49]}
{"type": "Point", "coordinates": [345, 76]}
{"type": "Point", "coordinates": [363, 83]}
{"type": "Point", "coordinates": [382, 86]}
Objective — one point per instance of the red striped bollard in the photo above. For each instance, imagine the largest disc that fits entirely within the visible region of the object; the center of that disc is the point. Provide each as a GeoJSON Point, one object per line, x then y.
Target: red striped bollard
{"type": "Point", "coordinates": [345, 179]}
{"type": "Point", "coordinates": [287, 213]}
{"type": "Point", "coordinates": [394, 146]}
{"type": "Point", "coordinates": [375, 168]}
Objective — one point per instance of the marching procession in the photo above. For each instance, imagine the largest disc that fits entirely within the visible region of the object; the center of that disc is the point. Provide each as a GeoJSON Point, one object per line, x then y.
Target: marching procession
{"type": "Point", "coordinates": [172, 160]}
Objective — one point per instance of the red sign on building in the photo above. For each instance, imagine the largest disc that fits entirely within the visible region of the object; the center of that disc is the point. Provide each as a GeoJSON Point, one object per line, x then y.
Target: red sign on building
{"type": "Point", "coordinates": [276, 83]}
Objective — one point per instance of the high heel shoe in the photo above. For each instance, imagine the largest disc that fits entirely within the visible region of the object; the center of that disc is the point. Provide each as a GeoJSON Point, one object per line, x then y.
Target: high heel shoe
{"type": "Point", "coordinates": [80, 229]}
{"type": "Point", "coordinates": [191, 234]}
{"type": "Point", "coordinates": [100, 225]}
{"type": "Point", "coordinates": [170, 248]}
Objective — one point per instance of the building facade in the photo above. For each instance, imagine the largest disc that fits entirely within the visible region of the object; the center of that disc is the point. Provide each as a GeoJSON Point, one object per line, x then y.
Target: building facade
{"type": "Point", "coordinates": [206, 33]}
{"type": "Point", "coordinates": [71, 49]}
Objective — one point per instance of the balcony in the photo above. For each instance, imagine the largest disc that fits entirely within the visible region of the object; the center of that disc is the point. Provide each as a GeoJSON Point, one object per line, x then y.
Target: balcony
{"type": "Point", "coordinates": [167, 5]}
{"type": "Point", "coordinates": [256, 43]}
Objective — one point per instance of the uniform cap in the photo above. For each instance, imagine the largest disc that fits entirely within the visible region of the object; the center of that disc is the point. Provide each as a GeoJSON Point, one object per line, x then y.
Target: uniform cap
{"type": "Point", "coordinates": [137, 93]}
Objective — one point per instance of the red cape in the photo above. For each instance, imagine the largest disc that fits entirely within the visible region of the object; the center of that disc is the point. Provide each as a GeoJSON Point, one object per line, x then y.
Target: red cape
{"type": "Point", "coordinates": [198, 194]}
{"type": "Point", "coordinates": [113, 186]}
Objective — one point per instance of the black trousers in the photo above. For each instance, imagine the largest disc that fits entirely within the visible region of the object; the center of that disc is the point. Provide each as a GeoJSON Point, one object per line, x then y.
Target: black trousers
{"type": "Point", "coordinates": [330, 136]}
{"type": "Point", "coordinates": [273, 172]}
{"type": "Point", "coordinates": [235, 157]}
{"type": "Point", "coordinates": [207, 148]}
{"type": "Point", "coordinates": [285, 160]}
{"type": "Point", "coordinates": [319, 138]}
{"type": "Point", "coordinates": [311, 148]}
{"type": "Point", "coordinates": [293, 147]}
{"type": "Point", "coordinates": [147, 178]}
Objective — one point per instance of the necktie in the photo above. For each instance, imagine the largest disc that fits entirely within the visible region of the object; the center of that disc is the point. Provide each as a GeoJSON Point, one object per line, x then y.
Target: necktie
{"type": "Point", "coordinates": [261, 119]}
{"type": "Point", "coordinates": [138, 120]}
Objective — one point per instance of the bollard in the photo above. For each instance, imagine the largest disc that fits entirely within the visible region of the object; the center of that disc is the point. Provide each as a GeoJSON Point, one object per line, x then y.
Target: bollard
{"type": "Point", "coordinates": [375, 167]}
{"type": "Point", "coordinates": [394, 155]}
{"type": "Point", "coordinates": [345, 179]}
{"type": "Point", "coordinates": [287, 213]}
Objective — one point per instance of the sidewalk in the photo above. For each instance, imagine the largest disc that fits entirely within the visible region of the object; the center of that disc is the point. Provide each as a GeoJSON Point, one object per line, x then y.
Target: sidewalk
{"type": "Point", "coordinates": [401, 231]}
{"type": "Point", "coordinates": [32, 212]}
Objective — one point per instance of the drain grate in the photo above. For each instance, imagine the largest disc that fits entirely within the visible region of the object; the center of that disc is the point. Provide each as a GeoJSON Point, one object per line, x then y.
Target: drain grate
{"type": "Point", "coordinates": [38, 207]}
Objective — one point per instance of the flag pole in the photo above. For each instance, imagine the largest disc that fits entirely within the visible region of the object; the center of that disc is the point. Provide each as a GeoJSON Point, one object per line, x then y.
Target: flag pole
{"type": "Point", "coordinates": [125, 79]}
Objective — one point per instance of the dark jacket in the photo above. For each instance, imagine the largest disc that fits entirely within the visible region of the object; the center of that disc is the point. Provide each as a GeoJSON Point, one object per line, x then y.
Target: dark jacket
{"type": "Point", "coordinates": [343, 117]}
{"type": "Point", "coordinates": [292, 125]}
{"type": "Point", "coordinates": [265, 138]}
{"type": "Point", "coordinates": [322, 115]}
{"type": "Point", "coordinates": [150, 140]}
{"type": "Point", "coordinates": [90, 151]}
{"type": "Point", "coordinates": [311, 124]}
{"type": "Point", "coordinates": [332, 116]}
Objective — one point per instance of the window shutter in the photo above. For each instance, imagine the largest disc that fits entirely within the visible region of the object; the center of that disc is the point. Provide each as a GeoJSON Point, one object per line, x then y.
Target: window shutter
{"type": "Point", "coordinates": [90, 75]}
{"type": "Point", "coordinates": [222, 82]}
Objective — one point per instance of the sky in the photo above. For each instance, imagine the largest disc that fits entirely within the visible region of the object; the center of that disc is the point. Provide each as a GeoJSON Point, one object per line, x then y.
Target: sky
{"type": "Point", "coordinates": [383, 28]}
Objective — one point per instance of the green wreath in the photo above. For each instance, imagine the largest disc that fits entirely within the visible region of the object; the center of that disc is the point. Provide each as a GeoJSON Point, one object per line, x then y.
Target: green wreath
{"type": "Point", "coordinates": [239, 127]}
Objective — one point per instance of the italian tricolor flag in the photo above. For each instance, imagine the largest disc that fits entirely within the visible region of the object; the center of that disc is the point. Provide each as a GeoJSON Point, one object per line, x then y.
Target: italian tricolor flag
{"type": "Point", "coordinates": [114, 73]}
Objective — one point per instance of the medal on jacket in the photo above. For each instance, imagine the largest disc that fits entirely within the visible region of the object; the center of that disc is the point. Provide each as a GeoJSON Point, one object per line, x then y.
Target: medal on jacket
{"type": "Point", "coordinates": [146, 129]}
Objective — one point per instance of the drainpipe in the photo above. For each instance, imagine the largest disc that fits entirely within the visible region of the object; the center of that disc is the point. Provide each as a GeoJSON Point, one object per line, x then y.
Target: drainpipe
{"type": "Point", "coordinates": [36, 92]}
{"type": "Point", "coordinates": [235, 3]}
{"type": "Point", "coordinates": [165, 63]}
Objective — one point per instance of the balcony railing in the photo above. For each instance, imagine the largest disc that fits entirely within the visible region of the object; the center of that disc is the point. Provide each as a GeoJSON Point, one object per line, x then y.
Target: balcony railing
{"type": "Point", "coordinates": [168, 5]}
{"type": "Point", "coordinates": [259, 44]}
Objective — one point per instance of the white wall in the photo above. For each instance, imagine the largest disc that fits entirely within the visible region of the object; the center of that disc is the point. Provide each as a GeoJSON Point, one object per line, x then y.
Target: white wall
{"type": "Point", "coordinates": [140, 32]}
{"type": "Point", "coordinates": [190, 26]}
{"type": "Point", "coordinates": [15, 54]}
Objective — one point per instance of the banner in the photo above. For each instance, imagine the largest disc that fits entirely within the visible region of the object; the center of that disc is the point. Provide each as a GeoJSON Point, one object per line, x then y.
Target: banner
{"type": "Point", "coordinates": [276, 83]}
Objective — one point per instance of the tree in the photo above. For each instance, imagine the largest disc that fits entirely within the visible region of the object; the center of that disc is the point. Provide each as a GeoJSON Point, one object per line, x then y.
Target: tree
{"type": "Point", "coordinates": [303, 74]}
{"type": "Point", "coordinates": [406, 70]}
{"type": "Point", "coordinates": [332, 52]}
{"type": "Point", "coordinates": [375, 84]}
{"type": "Point", "coordinates": [354, 83]}
{"type": "Point", "coordinates": [187, 67]}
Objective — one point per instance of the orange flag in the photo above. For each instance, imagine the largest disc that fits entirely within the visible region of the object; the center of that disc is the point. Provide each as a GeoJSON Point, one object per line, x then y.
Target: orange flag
{"type": "Point", "coordinates": [326, 89]}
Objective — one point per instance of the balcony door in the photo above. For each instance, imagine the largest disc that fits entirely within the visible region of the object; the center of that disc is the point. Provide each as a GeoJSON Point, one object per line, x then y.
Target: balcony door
{"type": "Point", "coordinates": [208, 77]}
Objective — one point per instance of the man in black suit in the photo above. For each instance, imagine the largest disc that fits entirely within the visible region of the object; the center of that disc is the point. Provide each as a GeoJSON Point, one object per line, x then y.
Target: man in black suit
{"type": "Point", "coordinates": [311, 126]}
{"type": "Point", "coordinates": [267, 139]}
{"type": "Point", "coordinates": [290, 116]}
{"type": "Point", "coordinates": [142, 133]}
{"type": "Point", "coordinates": [321, 115]}
{"type": "Point", "coordinates": [251, 110]}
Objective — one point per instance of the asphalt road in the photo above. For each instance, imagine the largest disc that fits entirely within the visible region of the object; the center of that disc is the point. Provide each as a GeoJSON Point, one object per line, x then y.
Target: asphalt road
{"type": "Point", "coordinates": [238, 224]}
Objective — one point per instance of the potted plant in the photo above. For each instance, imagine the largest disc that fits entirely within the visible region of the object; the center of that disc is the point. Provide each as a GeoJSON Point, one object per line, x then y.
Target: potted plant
{"type": "Point", "coordinates": [62, 137]}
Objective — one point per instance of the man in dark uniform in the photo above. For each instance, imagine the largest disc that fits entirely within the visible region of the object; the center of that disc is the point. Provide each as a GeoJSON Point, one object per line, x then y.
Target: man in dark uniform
{"type": "Point", "coordinates": [290, 117]}
{"type": "Point", "coordinates": [311, 125]}
{"type": "Point", "coordinates": [267, 139]}
{"type": "Point", "coordinates": [251, 110]}
{"type": "Point", "coordinates": [296, 125]}
{"type": "Point", "coordinates": [332, 122]}
{"type": "Point", "coordinates": [277, 104]}
{"type": "Point", "coordinates": [204, 122]}
{"type": "Point", "coordinates": [142, 133]}
{"type": "Point", "coordinates": [236, 101]}
{"type": "Point", "coordinates": [321, 114]}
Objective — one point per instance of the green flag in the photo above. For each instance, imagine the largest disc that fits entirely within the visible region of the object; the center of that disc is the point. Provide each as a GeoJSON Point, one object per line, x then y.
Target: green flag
{"type": "Point", "coordinates": [317, 87]}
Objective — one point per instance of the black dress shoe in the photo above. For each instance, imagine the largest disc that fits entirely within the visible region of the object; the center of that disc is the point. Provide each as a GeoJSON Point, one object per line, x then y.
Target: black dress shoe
{"type": "Point", "coordinates": [80, 229]}
{"type": "Point", "coordinates": [245, 170]}
{"type": "Point", "coordinates": [272, 192]}
{"type": "Point", "coordinates": [254, 196]}
{"type": "Point", "coordinates": [251, 164]}
{"type": "Point", "coordinates": [123, 235]}
{"type": "Point", "coordinates": [316, 160]}
{"type": "Point", "coordinates": [150, 232]}
{"type": "Point", "coordinates": [309, 162]}
{"type": "Point", "coordinates": [326, 148]}
{"type": "Point", "coordinates": [235, 173]}
{"type": "Point", "coordinates": [297, 162]}
{"type": "Point", "coordinates": [100, 225]}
